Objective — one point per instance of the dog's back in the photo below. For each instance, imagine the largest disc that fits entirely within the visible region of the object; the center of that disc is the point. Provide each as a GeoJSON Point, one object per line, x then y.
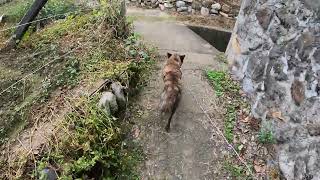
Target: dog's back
{"type": "Point", "coordinates": [171, 94]}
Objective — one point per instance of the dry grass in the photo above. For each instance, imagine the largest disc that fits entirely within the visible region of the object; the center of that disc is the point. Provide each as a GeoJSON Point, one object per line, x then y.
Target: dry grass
{"type": "Point", "coordinates": [85, 48]}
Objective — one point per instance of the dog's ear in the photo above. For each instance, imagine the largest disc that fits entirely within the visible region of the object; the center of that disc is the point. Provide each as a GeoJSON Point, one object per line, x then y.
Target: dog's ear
{"type": "Point", "coordinates": [182, 58]}
{"type": "Point", "coordinates": [169, 54]}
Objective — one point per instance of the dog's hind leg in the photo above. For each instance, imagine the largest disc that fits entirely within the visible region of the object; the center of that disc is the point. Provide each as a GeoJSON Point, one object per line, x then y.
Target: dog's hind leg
{"type": "Point", "coordinates": [174, 108]}
{"type": "Point", "coordinates": [169, 120]}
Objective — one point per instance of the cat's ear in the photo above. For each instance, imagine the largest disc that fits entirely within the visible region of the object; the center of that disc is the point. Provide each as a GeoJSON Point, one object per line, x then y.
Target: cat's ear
{"type": "Point", "coordinates": [182, 58]}
{"type": "Point", "coordinates": [169, 54]}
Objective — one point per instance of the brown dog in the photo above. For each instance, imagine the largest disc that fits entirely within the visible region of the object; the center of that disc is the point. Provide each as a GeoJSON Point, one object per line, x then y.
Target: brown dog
{"type": "Point", "coordinates": [171, 93]}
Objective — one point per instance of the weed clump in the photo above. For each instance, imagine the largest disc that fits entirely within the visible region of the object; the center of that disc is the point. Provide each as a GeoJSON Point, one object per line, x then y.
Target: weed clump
{"type": "Point", "coordinates": [222, 83]}
{"type": "Point", "coordinates": [54, 9]}
{"type": "Point", "coordinates": [237, 171]}
{"type": "Point", "coordinates": [228, 90]}
{"type": "Point", "coordinates": [92, 147]}
{"type": "Point", "coordinates": [266, 135]}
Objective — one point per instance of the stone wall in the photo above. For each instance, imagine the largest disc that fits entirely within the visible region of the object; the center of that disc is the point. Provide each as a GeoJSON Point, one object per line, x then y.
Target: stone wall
{"type": "Point", "coordinates": [226, 8]}
{"type": "Point", "coordinates": [275, 52]}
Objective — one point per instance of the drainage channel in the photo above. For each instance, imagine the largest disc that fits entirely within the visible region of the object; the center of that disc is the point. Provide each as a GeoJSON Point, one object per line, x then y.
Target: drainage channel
{"type": "Point", "coordinates": [217, 38]}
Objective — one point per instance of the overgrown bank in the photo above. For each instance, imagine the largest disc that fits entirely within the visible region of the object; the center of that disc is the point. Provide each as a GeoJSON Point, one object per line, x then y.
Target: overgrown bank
{"type": "Point", "coordinates": [66, 58]}
{"type": "Point", "coordinates": [243, 132]}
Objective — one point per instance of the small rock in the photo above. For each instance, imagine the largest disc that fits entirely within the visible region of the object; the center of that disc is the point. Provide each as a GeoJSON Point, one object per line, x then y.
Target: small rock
{"type": "Point", "coordinates": [142, 4]}
{"type": "Point", "coordinates": [155, 5]}
{"type": "Point", "coordinates": [297, 92]}
{"type": "Point", "coordinates": [196, 5]}
{"type": "Point", "coordinates": [168, 5]}
{"type": "Point", "coordinates": [180, 4]}
{"type": "Point", "coordinates": [154, 1]}
{"type": "Point", "coordinates": [213, 11]}
{"type": "Point", "coordinates": [189, 9]}
{"type": "Point", "coordinates": [223, 14]}
{"type": "Point", "coordinates": [2, 17]}
{"type": "Point", "coordinates": [207, 3]}
{"type": "Point", "coordinates": [193, 11]}
{"type": "Point", "coordinates": [216, 6]}
{"type": "Point", "coordinates": [264, 16]}
{"type": "Point", "coordinates": [92, 4]}
{"type": "Point", "coordinates": [135, 132]}
{"type": "Point", "coordinates": [161, 6]}
{"type": "Point", "coordinates": [181, 9]}
{"type": "Point", "coordinates": [108, 102]}
{"type": "Point", "coordinates": [148, 3]}
{"type": "Point", "coordinates": [50, 174]}
{"type": "Point", "coordinates": [204, 11]}
{"type": "Point", "coordinates": [226, 8]}
{"type": "Point", "coordinates": [160, 1]}
{"type": "Point", "coordinates": [188, 1]}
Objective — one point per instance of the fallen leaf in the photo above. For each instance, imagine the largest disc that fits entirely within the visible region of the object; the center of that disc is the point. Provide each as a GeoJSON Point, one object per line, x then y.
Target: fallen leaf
{"type": "Point", "coordinates": [135, 132]}
{"type": "Point", "coordinates": [260, 168]}
{"type": "Point", "coordinates": [240, 147]}
{"type": "Point", "coordinates": [245, 120]}
{"type": "Point", "coordinates": [277, 115]}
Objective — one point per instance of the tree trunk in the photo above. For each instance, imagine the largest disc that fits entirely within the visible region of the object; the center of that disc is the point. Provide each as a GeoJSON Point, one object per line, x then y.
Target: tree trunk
{"type": "Point", "coordinates": [25, 22]}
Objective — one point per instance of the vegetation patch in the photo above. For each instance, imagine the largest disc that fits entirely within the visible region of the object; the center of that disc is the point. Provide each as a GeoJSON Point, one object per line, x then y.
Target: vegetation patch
{"type": "Point", "coordinates": [266, 135]}
{"type": "Point", "coordinates": [222, 58]}
{"type": "Point", "coordinates": [238, 172]}
{"type": "Point", "coordinates": [228, 91]}
{"type": "Point", "coordinates": [92, 146]}
{"type": "Point", "coordinates": [53, 58]}
{"type": "Point", "coordinates": [16, 9]}
{"type": "Point", "coordinates": [241, 129]}
{"type": "Point", "coordinates": [74, 53]}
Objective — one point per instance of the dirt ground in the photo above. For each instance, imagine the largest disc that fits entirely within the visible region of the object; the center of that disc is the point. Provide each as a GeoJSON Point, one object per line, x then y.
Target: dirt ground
{"type": "Point", "coordinates": [193, 149]}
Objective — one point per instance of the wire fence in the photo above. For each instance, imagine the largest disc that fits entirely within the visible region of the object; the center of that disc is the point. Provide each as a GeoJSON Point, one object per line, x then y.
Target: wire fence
{"type": "Point", "coordinates": [50, 62]}
{"type": "Point", "coordinates": [49, 17]}
{"type": "Point", "coordinates": [43, 66]}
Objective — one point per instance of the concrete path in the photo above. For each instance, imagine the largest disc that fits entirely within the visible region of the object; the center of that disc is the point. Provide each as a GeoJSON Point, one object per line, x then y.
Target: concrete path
{"type": "Point", "coordinates": [192, 150]}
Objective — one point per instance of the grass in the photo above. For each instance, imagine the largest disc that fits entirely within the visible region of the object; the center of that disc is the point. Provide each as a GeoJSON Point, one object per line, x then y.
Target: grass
{"type": "Point", "coordinates": [16, 9]}
{"type": "Point", "coordinates": [228, 93]}
{"type": "Point", "coordinates": [266, 136]}
{"type": "Point", "coordinates": [63, 72]}
{"type": "Point", "coordinates": [237, 172]}
{"type": "Point", "coordinates": [229, 123]}
{"type": "Point", "coordinates": [225, 88]}
{"type": "Point", "coordinates": [222, 83]}
{"type": "Point", "coordinates": [93, 146]}
{"type": "Point", "coordinates": [54, 44]}
{"type": "Point", "coordinates": [108, 51]}
{"type": "Point", "coordinates": [222, 58]}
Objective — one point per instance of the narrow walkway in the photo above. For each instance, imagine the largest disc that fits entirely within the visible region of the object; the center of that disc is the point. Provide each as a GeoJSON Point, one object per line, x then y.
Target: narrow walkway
{"type": "Point", "coordinates": [192, 150]}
